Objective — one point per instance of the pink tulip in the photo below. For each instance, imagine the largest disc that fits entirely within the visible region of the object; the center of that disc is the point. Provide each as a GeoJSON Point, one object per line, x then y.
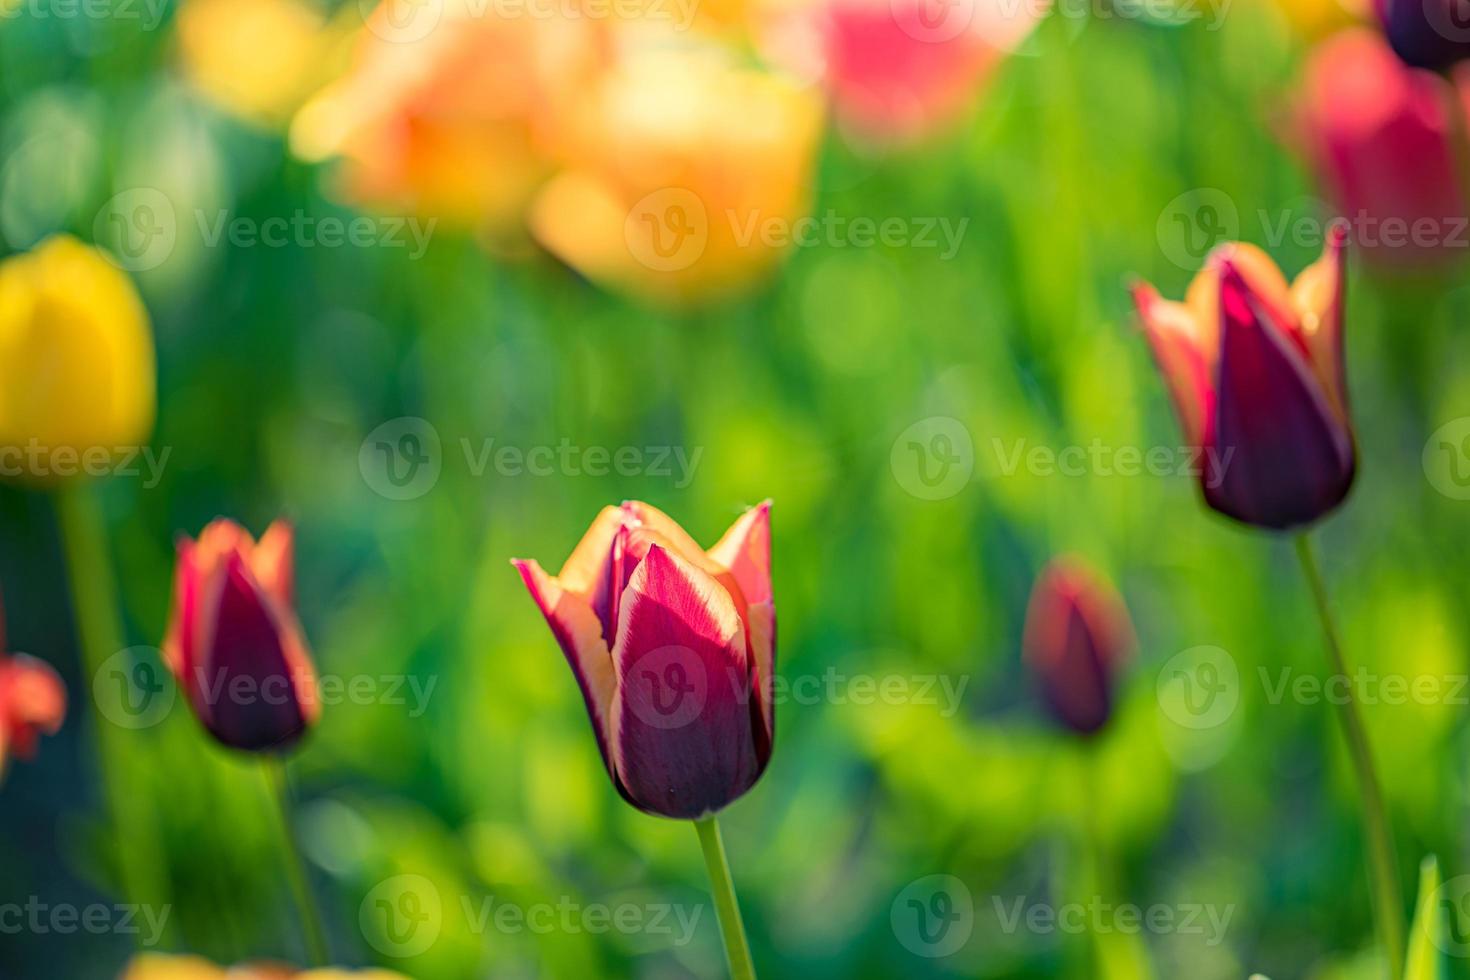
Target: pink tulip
{"type": "Point", "coordinates": [673, 648]}
{"type": "Point", "coordinates": [902, 70]}
{"type": "Point", "coordinates": [233, 640]}
{"type": "Point", "coordinates": [1387, 141]}
{"type": "Point", "coordinates": [1077, 635]}
{"type": "Point", "coordinates": [1258, 379]}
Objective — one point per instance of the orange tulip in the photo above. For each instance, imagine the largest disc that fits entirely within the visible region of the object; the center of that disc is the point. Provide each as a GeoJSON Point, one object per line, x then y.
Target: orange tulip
{"type": "Point", "coordinates": [685, 172]}
{"type": "Point", "coordinates": [154, 966]}
{"type": "Point", "coordinates": [449, 109]}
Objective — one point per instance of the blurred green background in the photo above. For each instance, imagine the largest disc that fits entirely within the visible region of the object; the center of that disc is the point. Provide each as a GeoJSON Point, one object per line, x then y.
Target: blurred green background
{"type": "Point", "coordinates": [276, 363]}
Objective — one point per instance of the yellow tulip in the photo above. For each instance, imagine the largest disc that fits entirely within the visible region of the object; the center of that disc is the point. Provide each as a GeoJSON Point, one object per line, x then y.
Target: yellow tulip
{"type": "Point", "coordinates": [259, 59]}
{"type": "Point", "coordinates": [686, 174]}
{"type": "Point", "coordinates": [76, 362]}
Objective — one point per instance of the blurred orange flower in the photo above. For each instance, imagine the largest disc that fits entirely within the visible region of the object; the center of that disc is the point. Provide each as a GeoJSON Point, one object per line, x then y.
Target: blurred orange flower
{"type": "Point", "coordinates": [449, 109]}
{"type": "Point", "coordinates": [153, 966]}
{"type": "Point", "coordinates": [260, 59]}
{"type": "Point", "coordinates": [686, 171]}
{"type": "Point", "coordinates": [900, 70]}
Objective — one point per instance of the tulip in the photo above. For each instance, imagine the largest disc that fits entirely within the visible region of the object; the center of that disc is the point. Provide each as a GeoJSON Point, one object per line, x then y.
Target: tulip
{"type": "Point", "coordinates": [685, 174]}
{"type": "Point", "coordinates": [673, 648]}
{"type": "Point", "coordinates": [32, 702]}
{"type": "Point", "coordinates": [156, 966]}
{"type": "Point", "coordinates": [259, 59]}
{"type": "Point", "coordinates": [1387, 142]}
{"type": "Point", "coordinates": [449, 110]}
{"type": "Point", "coordinates": [233, 641]}
{"type": "Point", "coordinates": [1258, 380]}
{"type": "Point", "coordinates": [1424, 33]}
{"type": "Point", "coordinates": [898, 71]}
{"type": "Point", "coordinates": [1077, 635]}
{"type": "Point", "coordinates": [76, 363]}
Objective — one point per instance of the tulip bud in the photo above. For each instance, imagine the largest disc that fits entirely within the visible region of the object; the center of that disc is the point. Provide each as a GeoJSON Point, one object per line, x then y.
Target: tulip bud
{"type": "Point", "coordinates": [234, 643]}
{"type": "Point", "coordinates": [76, 362]}
{"type": "Point", "coordinates": [1077, 635]}
{"type": "Point", "coordinates": [1257, 375]}
{"type": "Point", "coordinates": [1387, 143]}
{"type": "Point", "coordinates": [673, 648]}
{"type": "Point", "coordinates": [32, 702]}
{"type": "Point", "coordinates": [1425, 33]}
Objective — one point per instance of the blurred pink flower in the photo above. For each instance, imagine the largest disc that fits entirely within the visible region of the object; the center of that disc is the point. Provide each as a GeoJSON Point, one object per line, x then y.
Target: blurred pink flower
{"type": "Point", "coordinates": [1078, 633]}
{"type": "Point", "coordinates": [900, 70]}
{"type": "Point", "coordinates": [1388, 143]}
{"type": "Point", "coordinates": [32, 702]}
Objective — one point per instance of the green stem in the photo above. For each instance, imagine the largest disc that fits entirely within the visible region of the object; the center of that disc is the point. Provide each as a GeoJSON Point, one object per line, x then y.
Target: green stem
{"type": "Point", "coordinates": [279, 790]}
{"type": "Point", "coordinates": [1388, 903]}
{"type": "Point", "coordinates": [100, 635]}
{"type": "Point", "coordinates": [732, 929]}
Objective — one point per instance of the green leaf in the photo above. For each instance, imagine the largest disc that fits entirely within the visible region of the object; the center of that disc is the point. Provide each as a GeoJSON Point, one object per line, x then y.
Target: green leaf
{"type": "Point", "coordinates": [1426, 937]}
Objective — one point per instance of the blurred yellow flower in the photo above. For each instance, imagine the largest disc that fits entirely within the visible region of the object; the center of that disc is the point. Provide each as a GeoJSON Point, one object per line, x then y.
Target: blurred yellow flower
{"type": "Point", "coordinates": [1312, 20]}
{"type": "Point", "coordinates": [259, 59]}
{"type": "Point", "coordinates": [687, 175]}
{"type": "Point", "coordinates": [154, 966]}
{"type": "Point", "coordinates": [76, 362]}
{"type": "Point", "coordinates": [449, 109]}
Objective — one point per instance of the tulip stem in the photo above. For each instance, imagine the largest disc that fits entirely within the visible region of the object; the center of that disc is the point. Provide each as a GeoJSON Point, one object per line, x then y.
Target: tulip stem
{"type": "Point", "coordinates": [1382, 858]}
{"type": "Point", "coordinates": [100, 636]}
{"type": "Point", "coordinates": [727, 908]}
{"type": "Point", "coordinates": [279, 790]}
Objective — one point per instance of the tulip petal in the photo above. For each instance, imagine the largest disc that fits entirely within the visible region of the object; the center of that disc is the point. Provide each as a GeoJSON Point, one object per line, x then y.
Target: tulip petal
{"type": "Point", "coordinates": [1286, 459]}
{"type": "Point", "coordinates": [682, 736]}
{"type": "Point", "coordinates": [579, 633]}
{"type": "Point", "coordinates": [252, 647]}
{"type": "Point", "coordinates": [1318, 297]}
{"type": "Point", "coordinates": [180, 644]}
{"type": "Point", "coordinates": [272, 562]}
{"type": "Point", "coordinates": [746, 551]}
{"type": "Point", "coordinates": [1173, 333]}
{"type": "Point", "coordinates": [32, 701]}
